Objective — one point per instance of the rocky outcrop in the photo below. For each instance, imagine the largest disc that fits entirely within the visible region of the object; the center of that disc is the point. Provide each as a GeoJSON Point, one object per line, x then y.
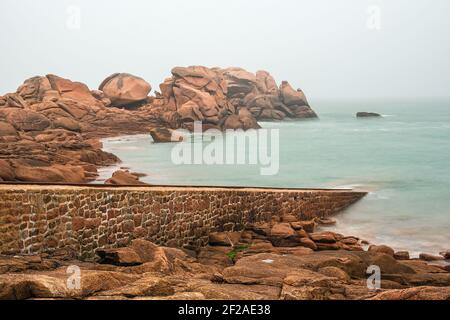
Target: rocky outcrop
{"type": "Point", "coordinates": [53, 88]}
{"type": "Point", "coordinates": [231, 98]}
{"type": "Point", "coordinates": [49, 127]}
{"type": "Point", "coordinates": [302, 234]}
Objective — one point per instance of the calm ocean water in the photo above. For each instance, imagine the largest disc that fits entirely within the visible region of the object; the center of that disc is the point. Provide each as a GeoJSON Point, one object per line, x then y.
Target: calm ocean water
{"type": "Point", "coordinates": [403, 159]}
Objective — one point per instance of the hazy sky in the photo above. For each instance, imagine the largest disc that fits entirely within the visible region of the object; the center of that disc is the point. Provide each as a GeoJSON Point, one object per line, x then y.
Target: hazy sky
{"type": "Point", "coordinates": [323, 46]}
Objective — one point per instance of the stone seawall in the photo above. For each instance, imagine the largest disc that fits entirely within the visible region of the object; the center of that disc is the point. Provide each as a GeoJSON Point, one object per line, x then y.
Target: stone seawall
{"type": "Point", "coordinates": [42, 218]}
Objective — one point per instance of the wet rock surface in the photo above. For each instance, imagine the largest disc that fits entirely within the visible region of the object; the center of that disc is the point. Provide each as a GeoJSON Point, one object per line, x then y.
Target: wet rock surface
{"type": "Point", "coordinates": [235, 265]}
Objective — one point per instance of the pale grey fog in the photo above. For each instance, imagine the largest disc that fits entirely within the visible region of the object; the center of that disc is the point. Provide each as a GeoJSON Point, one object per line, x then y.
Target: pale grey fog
{"type": "Point", "coordinates": [328, 48]}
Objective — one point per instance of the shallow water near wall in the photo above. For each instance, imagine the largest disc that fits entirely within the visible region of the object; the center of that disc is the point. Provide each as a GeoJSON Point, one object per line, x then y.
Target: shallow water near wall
{"type": "Point", "coordinates": [402, 159]}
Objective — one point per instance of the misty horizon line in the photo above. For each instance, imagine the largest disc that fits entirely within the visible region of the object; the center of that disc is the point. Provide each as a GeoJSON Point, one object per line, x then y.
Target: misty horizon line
{"type": "Point", "coordinates": [325, 98]}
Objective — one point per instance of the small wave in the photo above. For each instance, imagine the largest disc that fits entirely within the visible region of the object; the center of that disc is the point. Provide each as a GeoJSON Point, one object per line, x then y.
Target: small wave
{"type": "Point", "coordinates": [126, 138]}
{"type": "Point", "coordinates": [128, 148]}
{"type": "Point", "coordinates": [349, 186]}
{"type": "Point", "coordinates": [106, 172]}
{"type": "Point", "coordinates": [377, 196]}
{"type": "Point", "coordinates": [371, 129]}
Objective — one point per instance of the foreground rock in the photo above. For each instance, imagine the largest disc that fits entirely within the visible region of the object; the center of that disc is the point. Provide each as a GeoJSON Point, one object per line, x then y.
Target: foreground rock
{"type": "Point", "coordinates": [264, 261]}
{"type": "Point", "coordinates": [418, 293]}
{"type": "Point", "coordinates": [302, 234]}
{"type": "Point", "coordinates": [258, 271]}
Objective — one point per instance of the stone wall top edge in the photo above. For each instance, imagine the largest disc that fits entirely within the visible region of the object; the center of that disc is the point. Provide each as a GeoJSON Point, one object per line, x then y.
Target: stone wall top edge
{"type": "Point", "coordinates": [55, 187]}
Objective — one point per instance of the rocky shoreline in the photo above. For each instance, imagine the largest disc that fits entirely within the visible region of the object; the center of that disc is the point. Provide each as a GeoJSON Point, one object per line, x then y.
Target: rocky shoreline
{"type": "Point", "coordinates": [50, 130]}
{"type": "Point", "coordinates": [286, 259]}
{"type": "Point", "coordinates": [51, 126]}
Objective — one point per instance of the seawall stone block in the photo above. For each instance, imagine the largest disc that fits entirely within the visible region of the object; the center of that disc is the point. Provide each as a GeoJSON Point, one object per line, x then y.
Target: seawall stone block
{"type": "Point", "coordinates": [43, 218]}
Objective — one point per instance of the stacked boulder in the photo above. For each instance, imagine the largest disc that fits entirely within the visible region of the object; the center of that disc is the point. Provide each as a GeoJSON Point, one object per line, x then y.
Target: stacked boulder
{"type": "Point", "coordinates": [231, 98]}
{"type": "Point", "coordinates": [124, 89]}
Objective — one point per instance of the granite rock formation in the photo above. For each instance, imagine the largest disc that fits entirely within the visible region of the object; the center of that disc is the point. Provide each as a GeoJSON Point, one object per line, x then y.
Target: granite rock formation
{"type": "Point", "coordinates": [231, 98]}
{"type": "Point", "coordinates": [49, 127]}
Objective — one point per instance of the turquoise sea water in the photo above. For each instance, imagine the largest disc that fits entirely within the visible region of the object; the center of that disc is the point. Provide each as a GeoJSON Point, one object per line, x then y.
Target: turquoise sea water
{"type": "Point", "coordinates": [403, 159]}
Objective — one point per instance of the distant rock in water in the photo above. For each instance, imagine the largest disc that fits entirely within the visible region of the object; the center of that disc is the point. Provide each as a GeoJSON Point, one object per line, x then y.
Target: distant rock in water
{"type": "Point", "coordinates": [367, 115]}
